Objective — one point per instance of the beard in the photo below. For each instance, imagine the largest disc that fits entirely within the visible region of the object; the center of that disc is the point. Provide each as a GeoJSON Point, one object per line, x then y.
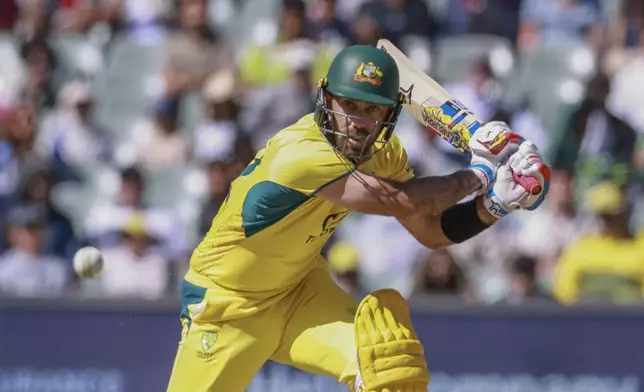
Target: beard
{"type": "Point", "coordinates": [353, 142]}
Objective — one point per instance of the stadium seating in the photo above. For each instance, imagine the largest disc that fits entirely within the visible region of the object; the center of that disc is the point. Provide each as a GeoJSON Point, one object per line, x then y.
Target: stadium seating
{"type": "Point", "coordinates": [130, 83]}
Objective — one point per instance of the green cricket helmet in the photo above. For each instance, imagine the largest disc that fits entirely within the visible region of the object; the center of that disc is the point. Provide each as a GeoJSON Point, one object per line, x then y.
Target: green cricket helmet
{"type": "Point", "coordinates": [361, 73]}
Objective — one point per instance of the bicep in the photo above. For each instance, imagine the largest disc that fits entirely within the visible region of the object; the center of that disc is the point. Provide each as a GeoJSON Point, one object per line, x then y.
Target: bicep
{"type": "Point", "coordinates": [368, 194]}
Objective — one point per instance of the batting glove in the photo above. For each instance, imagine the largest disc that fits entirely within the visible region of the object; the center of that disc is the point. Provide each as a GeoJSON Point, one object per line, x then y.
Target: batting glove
{"type": "Point", "coordinates": [507, 195]}
{"type": "Point", "coordinates": [491, 146]}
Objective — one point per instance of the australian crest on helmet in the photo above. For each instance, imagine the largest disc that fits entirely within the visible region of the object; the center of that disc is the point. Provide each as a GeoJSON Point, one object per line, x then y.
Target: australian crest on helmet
{"type": "Point", "coordinates": [369, 73]}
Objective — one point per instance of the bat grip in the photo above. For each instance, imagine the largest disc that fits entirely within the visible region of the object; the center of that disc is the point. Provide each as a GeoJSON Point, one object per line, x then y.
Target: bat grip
{"type": "Point", "coordinates": [530, 184]}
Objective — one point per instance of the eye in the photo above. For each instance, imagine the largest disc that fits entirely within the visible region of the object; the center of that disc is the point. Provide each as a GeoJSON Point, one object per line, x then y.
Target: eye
{"type": "Point", "coordinates": [373, 109]}
{"type": "Point", "coordinates": [349, 104]}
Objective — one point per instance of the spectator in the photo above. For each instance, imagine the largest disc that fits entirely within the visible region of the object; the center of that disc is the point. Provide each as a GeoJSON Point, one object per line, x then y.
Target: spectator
{"type": "Point", "coordinates": [25, 270]}
{"type": "Point", "coordinates": [274, 64]}
{"type": "Point", "coordinates": [215, 136]}
{"type": "Point", "coordinates": [482, 17]}
{"type": "Point", "coordinates": [145, 20]}
{"type": "Point", "coordinates": [60, 238]}
{"type": "Point", "coordinates": [19, 132]}
{"type": "Point", "coordinates": [626, 98]}
{"type": "Point", "coordinates": [487, 262]}
{"type": "Point", "coordinates": [554, 22]}
{"type": "Point", "coordinates": [524, 285]}
{"type": "Point", "coordinates": [399, 18]}
{"type": "Point", "coordinates": [344, 264]}
{"type": "Point", "coordinates": [440, 274]}
{"type": "Point", "coordinates": [163, 144]}
{"type": "Point", "coordinates": [627, 25]}
{"type": "Point", "coordinates": [34, 19]}
{"type": "Point", "coordinates": [543, 234]}
{"type": "Point", "coordinates": [69, 137]}
{"type": "Point", "coordinates": [607, 266]}
{"type": "Point", "coordinates": [41, 64]}
{"type": "Point", "coordinates": [598, 143]}
{"type": "Point", "coordinates": [275, 107]}
{"type": "Point", "coordinates": [73, 16]}
{"type": "Point", "coordinates": [131, 269]}
{"type": "Point", "coordinates": [9, 163]}
{"type": "Point", "coordinates": [220, 176]}
{"type": "Point", "coordinates": [366, 30]}
{"type": "Point", "coordinates": [326, 27]}
{"type": "Point", "coordinates": [105, 222]}
{"type": "Point", "coordinates": [387, 251]}
{"type": "Point", "coordinates": [480, 91]}
{"type": "Point", "coordinates": [487, 20]}
{"type": "Point", "coordinates": [194, 51]}
{"type": "Point", "coordinates": [625, 38]}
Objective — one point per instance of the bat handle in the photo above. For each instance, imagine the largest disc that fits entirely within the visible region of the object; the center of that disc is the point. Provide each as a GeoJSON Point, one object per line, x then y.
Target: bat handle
{"type": "Point", "coordinates": [530, 184]}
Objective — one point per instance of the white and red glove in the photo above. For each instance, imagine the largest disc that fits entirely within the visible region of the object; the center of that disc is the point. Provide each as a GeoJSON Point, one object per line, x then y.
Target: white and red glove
{"type": "Point", "coordinates": [491, 146]}
{"type": "Point", "coordinates": [507, 194]}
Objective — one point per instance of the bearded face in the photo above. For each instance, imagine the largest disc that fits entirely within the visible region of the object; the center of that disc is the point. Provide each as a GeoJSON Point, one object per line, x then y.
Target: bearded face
{"type": "Point", "coordinates": [357, 128]}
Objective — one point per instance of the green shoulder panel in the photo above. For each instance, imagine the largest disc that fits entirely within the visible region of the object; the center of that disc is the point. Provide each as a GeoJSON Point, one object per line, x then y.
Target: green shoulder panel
{"type": "Point", "coordinates": [267, 203]}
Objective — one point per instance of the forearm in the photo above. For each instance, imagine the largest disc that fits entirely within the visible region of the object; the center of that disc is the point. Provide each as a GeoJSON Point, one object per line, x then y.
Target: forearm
{"type": "Point", "coordinates": [433, 195]}
{"type": "Point", "coordinates": [429, 229]}
{"type": "Point", "coordinates": [369, 194]}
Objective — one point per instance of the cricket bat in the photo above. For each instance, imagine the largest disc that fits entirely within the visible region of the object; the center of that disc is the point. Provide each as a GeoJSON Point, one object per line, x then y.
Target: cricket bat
{"type": "Point", "coordinates": [429, 103]}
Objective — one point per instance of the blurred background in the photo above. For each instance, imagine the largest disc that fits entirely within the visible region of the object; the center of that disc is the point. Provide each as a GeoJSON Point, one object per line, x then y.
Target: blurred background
{"type": "Point", "coordinates": [123, 122]}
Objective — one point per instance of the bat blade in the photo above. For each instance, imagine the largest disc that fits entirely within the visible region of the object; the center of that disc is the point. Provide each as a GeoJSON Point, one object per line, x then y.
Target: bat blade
{"type": "Point", "coordinates": [429, 103]}
{"type": "Point", "coordinates": [434, 107]}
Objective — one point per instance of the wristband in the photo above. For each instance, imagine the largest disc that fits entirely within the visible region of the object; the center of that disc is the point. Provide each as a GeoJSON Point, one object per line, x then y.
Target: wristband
{"type": "Point", "coordinates": [461, 222]}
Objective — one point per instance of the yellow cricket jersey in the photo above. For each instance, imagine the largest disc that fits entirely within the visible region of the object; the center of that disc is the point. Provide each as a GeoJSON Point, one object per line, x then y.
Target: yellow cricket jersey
{"type": "Point", "coordinates": [270, 231]}
{"type": "Point", "coordinates": [601, 268]}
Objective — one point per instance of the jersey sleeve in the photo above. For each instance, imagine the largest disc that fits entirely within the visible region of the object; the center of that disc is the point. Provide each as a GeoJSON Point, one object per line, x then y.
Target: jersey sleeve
{"type": "Point", "coordinates": [308, 167]}
{"type": "Point", "coordinates": [398, 162]}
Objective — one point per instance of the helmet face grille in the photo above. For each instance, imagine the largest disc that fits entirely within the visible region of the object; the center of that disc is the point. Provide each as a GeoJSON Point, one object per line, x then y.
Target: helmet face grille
{"type": "Point", "coordinates": [376, 140]}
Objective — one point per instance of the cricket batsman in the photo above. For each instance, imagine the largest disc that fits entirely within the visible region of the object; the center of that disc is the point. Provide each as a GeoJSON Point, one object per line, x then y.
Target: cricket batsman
{"type": "Point", "coordinates": [258, 288]}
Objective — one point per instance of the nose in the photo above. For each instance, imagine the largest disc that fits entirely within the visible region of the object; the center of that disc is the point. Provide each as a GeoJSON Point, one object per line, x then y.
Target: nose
{"type": "Point", "coordinates": [359, 123]}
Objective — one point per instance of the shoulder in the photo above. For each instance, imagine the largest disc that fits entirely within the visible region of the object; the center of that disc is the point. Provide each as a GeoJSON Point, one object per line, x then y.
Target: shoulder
{"type": "Point", "coordinates": [584, 243]}
{"type": "Point", "coordinates": [302, 159]}
{"type": "Point", "coordinates": [303, 142]}
{"type": "Point", "coordinates": [394, 161]}
{"type": "Point", "coordinates": [395, 147]}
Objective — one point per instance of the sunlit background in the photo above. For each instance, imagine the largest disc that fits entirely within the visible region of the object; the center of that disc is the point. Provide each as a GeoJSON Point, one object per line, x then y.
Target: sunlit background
{"type": "Point", "coordinates": [123, 122]}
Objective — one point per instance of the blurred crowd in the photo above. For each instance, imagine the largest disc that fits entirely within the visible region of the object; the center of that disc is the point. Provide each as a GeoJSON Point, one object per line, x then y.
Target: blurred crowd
{"type": "Point", "coordinates": [123, 122]}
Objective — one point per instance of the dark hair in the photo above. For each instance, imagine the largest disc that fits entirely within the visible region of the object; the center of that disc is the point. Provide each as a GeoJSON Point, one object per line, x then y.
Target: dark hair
{"type": "Point", "coordinates": [294, 5]}
{"type": "Point", "coordinates": [207, 31]}
{"type": "Point", "coordinates": [38, 43]}
{"type": "Point", "coordinates": [525, 265]}
{"type": "Point", "coordinates": [456, 278]}
{"type": "Point", "coordinates": [132, 174]}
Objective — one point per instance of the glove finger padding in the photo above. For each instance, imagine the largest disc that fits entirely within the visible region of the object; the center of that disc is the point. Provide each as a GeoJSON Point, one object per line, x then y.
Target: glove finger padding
{"type": "Point", "coordinates": [532, 165]}
{"type": "Point", "coordinates": [390, 356]}
{"type": "Point", "coordinates": [516, 192]}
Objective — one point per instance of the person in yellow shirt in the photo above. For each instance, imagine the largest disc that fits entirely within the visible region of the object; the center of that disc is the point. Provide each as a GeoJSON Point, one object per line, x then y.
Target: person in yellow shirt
{"type": "Point", "coordinates": [607, 266]}
{"type": "Point", "coordinates": [258, 288]}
